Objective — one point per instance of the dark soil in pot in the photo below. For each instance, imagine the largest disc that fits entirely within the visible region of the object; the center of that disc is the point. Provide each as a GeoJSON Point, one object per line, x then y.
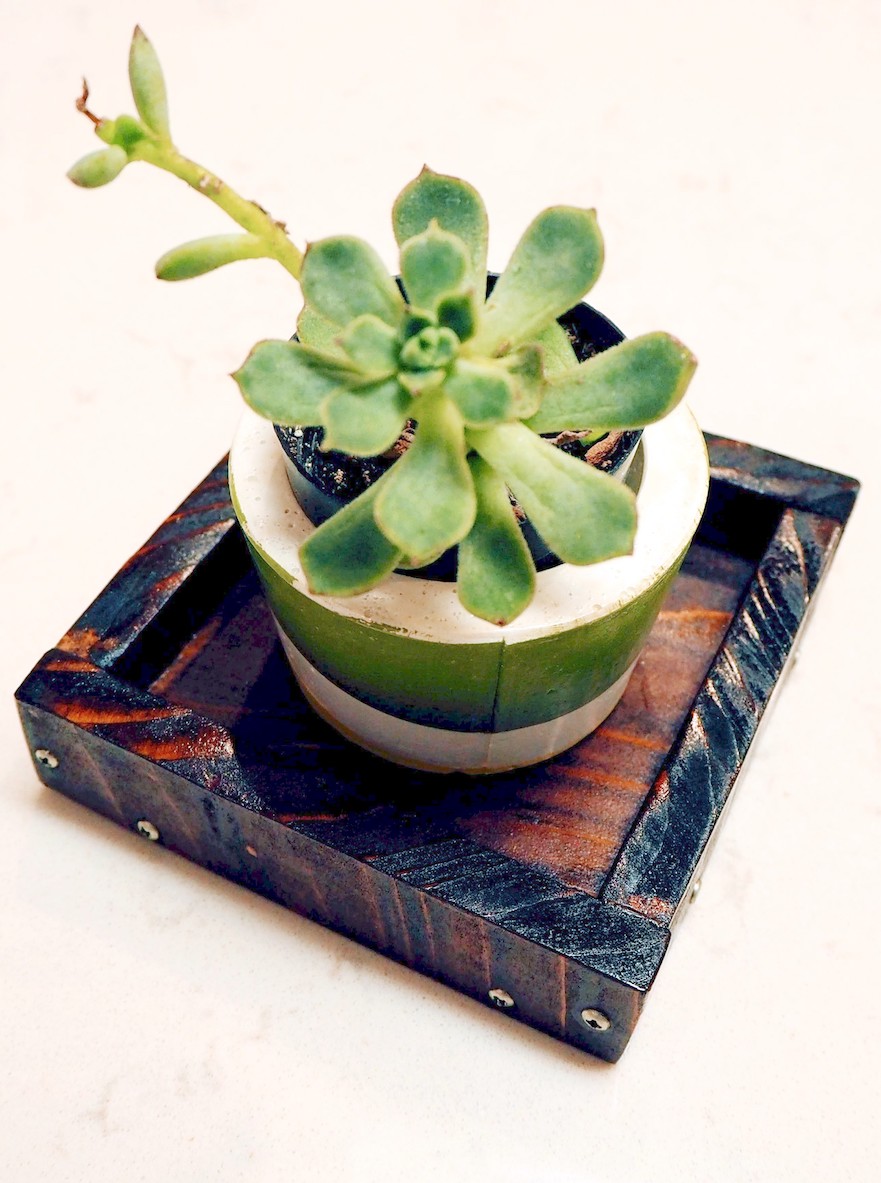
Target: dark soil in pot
{"type": "Point", "coordinates": [323, 482]}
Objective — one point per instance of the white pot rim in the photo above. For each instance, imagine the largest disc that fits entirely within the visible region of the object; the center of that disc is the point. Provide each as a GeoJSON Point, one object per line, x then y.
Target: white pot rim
{"type": "Point", "coordinates": [671, 500]}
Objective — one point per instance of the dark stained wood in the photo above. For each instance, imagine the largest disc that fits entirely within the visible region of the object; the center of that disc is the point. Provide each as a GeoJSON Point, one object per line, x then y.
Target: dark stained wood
{"type": "Point", "coordinates": [661, 856]}
{"type": "Point", "coordinates": [170, 700]}
{"type": "Point", "coordinates": [789, 482]}
{"type": "Point", "coordinates": [572, 814]}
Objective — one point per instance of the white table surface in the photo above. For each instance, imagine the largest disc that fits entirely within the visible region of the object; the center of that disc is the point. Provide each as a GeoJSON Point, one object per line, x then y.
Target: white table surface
{"type": "Point", "coordinates": [158, 1023]}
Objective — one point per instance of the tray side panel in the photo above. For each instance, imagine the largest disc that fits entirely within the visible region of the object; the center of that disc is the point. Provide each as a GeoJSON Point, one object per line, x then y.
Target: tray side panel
{"type": "Point", "coordinates": [657, 862]}
{"type": "Point", "coordinates": [419, 929]}
{"type": "Point", "coordinates": [790, 482]}
{"type": "Point", "coordinates": [138, 593]}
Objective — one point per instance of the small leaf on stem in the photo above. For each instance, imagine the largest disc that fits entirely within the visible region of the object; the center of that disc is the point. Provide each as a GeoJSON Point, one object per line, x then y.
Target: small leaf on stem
{"type": "Point", "coordinates": [98, 168]}
{"type": "Point", "coordinates": [207, 254]}
{"type": "Point", "coordinates": [148, 85]}
{"type": "Point", "coordinates": [128, 132]}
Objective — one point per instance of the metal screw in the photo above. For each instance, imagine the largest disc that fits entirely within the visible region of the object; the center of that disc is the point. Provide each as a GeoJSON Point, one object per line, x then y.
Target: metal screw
{"type": "Point", "coordinates": [147, 830]}
{"type": "Point", "coordinates": [501, 998]}
{"type": "Point", "coordinates": [596, 1020]}
{"type": "Point", "coordinates": [46, 758]}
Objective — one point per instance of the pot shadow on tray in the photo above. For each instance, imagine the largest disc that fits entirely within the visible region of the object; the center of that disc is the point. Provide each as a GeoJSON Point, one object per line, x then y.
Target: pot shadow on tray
{"type": "Point", "coordinates": [569, 815]}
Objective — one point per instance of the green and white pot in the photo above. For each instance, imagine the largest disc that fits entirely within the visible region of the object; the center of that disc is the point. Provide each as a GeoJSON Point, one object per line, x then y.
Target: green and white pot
{"type": "Point", "coordinates": [407, 673]}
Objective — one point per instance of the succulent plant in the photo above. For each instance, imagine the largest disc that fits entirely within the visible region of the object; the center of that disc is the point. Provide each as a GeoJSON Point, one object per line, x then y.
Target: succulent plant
{"type": "Point", "coordinates": [483, 380]}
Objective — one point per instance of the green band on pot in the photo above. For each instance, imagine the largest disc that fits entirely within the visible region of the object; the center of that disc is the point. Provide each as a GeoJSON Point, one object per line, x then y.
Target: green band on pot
{"type": "Point", "coordinates": [550, 676]}
{"type": "Point", "coordinates": [484, 687]}
{"type": "Point", "coordinates": [424, 681]}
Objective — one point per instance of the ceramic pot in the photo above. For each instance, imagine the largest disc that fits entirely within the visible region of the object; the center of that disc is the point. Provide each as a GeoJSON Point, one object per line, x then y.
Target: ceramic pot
{"type": "Point", "coordinates": [407, 673]}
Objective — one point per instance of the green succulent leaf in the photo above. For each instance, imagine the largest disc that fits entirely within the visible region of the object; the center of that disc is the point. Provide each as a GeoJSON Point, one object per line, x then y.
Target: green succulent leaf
{"type": "Point", "coordinates": [105, 129]}
{"type": "Point", "coordinates": [557, 352]}
{"type": "Point", "coordinates": [127, 133]}
{"type": "Point", "coordinates": [319, 332]}
{"type": "Point", "coordinates": [526, 368]}
{"type": "Point", "coordinates": [458, 313]}
{"type": "Point", "coordinates": [407, 564]}
{"type": "Point", "coordinates": [482, 392]}
{"type": "Point", "coordinates": [98, 168]}
{"type": "Point", "coordinates": [496, 574]}
{"type": "Point", "coordinates": [421, 381]}
{"type": "Point", "coordinates": [367, 420]}
{"type": "Point", "coordinates": [148, 85]}
{"type": "Point", "coordinates": [583, 515]}
{"type": "Point", "coordinates": [434, 264]}
{"type": "Point", "coordinates": [428, 501]}
{"type": "Point", "coordinates": [457, 208]}
{"type": "Point", "coordinates": [207, 254]}
{"type": "Point", "coordinates": [430, 349]}
{"type": "Point", "coordinates": [371, 344]}
{"type": "Point", "coordinates": [557, 260]}
{"type": "Point", "coordinates": [344, 277]}
{"type": "Point", "coordinates": [627, 386]}
{"type": "Point", "coordinates": [349, 554]}
{"type": "Point", "coordinates": [414, 322]}
{"type": "Point", "coordinates": [288, 382]}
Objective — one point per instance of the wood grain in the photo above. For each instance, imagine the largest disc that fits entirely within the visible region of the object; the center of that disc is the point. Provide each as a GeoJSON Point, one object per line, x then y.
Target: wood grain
{"type": "Point", "coordinates": [170, 700]}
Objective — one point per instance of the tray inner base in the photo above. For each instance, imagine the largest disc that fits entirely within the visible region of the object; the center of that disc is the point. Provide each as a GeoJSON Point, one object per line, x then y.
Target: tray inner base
{"type": "Point", "coordinates": [569, 815]}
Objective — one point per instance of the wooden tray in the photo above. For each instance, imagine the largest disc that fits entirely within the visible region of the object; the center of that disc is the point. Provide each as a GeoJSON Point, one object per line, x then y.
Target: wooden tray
{"type": "Point", "coordinates": [549, 893]}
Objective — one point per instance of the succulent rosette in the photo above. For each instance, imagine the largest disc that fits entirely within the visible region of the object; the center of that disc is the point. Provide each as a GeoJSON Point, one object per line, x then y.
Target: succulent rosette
{"type": "Point", "coordinates": [483, 381]}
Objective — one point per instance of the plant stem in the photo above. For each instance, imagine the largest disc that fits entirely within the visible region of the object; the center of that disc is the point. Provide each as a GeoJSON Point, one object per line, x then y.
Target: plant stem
{"type": "Point", "coordinates": [249, 215]}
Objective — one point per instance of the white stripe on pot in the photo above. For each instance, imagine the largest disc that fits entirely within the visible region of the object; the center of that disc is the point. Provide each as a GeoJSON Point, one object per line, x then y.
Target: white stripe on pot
{"type": "Point", "coordinates": [439, 749]}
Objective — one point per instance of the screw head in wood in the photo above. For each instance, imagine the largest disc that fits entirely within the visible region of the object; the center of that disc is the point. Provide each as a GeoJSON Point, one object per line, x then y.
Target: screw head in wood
{"type": "Point", "coordinates": [595, 1019]}
{"type": "Point", "coordinates": [46, 758]}
{"type": "Point", "coordinates": [501, 998]}
{"type": "Point", "coordinates": [147, 830]}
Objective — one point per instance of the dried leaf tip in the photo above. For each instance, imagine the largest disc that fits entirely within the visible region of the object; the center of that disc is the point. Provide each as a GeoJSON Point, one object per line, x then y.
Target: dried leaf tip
{"type": "Point", "coordinates": [82, 104]}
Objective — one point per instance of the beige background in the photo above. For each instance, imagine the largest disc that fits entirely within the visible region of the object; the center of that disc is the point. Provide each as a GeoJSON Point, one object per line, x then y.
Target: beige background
{"type": "Point", "coordinates": [157, 1023]}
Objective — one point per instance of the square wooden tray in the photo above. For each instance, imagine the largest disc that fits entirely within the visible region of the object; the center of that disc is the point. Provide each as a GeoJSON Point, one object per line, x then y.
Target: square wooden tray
{"type": "Point", "coordinates": [549, 893]}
